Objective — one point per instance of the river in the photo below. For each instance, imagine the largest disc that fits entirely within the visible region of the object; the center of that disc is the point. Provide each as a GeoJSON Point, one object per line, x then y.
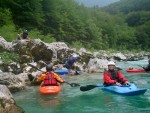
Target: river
{"type": "Point", "coordinates": [72, 100]}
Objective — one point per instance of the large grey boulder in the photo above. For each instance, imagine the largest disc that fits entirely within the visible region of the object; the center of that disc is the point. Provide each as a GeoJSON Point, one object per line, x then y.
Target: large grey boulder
{"type": "Point", "coordinates": [11, 67]}
{"type": "Point", "coordinates": [35, 50]}
{"type": "Point", "coordinates": [4, 45]}
{"type": "Point", "coordinates": [119, 56]}
{"type": "Point", "coordinates": [61, 52]}
{"type": "Point", "coordinates": [13, 82]}
{"type": "Point", "coordinates": [97, 65]}
{"type": "Point", "coordinates": [7, 102]}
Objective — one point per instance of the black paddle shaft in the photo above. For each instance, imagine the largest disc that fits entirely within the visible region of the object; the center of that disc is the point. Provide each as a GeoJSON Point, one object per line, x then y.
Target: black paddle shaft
{"type": "Point", "coordinates": [72, 84]}
{"type": "Point", "coordinates": [35, 67]}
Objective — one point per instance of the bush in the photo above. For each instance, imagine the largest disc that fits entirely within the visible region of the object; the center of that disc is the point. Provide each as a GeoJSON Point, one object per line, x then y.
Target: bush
{"type": "Point", "coordinates": [77, 45]}
{"type": "Point", "coordinates": [8, 32]}
{"type": "Point", "coordinates": [35, 34]}
{"type": "Point", "coordinates": [8, 57]}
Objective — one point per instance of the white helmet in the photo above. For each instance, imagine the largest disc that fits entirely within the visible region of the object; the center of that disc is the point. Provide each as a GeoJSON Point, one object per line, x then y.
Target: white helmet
{"type": "Point", "coordinates": [111, 63]}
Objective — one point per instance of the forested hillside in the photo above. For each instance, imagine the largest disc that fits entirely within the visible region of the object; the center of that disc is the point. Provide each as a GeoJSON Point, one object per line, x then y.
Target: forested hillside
{"type": "Point", "coordinates": [123, 25]}
{"type": "Point", "coordinates": [127, 6]}
{"type": "Point", "coordinates": [99, 3]}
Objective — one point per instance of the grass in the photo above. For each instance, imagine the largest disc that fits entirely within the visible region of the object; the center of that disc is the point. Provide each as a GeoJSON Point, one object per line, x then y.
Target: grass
{"type": "Point", "coordinates": [8, 57]}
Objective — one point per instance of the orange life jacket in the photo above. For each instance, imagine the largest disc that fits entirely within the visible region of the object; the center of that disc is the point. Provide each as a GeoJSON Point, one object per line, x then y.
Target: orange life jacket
{"type": "Point", "coordinates": [50, 79]}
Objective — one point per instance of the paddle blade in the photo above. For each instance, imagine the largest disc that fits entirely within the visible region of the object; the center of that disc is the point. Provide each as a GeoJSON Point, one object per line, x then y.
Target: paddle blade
{"type": "Point", "coordinates": [87, 87]}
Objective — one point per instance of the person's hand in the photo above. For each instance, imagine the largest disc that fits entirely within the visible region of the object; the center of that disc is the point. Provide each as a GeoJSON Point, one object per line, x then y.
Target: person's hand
{"type": "Point", "coordinates": [127, 83]}
{"type": "Point", "coordinates": [118, 84]}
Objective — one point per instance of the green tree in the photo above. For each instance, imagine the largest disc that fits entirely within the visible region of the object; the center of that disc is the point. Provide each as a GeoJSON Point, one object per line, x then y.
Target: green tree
{"type": "Point", "coordinates": [137, 18]}
{"type": "Point", "coordinates": [143, 35]}
{"type": "Point", "coordinates": [27, 13]}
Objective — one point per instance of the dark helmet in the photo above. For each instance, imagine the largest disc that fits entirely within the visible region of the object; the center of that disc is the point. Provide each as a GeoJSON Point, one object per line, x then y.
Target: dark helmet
{"type": "Point", "coordinates": [49, 67]}
{"type": "Point", "coordinates": [25, 31]}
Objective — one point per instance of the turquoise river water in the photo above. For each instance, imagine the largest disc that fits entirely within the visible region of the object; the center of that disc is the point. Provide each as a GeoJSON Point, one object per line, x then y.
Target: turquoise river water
{"type": "Point", "coordinates": [72, 100]}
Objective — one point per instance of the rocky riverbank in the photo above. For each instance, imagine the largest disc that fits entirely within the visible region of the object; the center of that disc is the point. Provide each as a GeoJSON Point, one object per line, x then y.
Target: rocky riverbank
{"type": "Point", "coordinates": [14, 76]}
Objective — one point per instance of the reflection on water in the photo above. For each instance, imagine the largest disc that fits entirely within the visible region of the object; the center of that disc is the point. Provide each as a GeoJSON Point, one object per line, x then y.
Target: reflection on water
{"type": "Point", "coordinates": [72, 100]}
{"type": "Point", "coordinates": [46, 100]}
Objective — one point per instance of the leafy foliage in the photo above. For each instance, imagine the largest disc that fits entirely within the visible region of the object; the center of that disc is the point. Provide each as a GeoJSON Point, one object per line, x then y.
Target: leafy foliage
{"type": "Point", "coordinates": [8, 32]}
{"type": "Point", "coordinates": [122, 25]}
{"type": "Point", "coordinates": [8, 57]}
{"type": "Point", "coordinates": [127, 6]}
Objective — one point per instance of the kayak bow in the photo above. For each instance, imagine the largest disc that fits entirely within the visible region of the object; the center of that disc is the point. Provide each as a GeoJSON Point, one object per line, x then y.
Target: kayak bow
{"type": "Point", "coordinates": [50, 89]}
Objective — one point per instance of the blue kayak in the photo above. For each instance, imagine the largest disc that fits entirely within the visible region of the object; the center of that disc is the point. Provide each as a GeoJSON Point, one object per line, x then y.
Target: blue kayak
{"type": "Point", "coordinates": [61, 71]}
{"type": "Point", "coordinates": [128, 90]}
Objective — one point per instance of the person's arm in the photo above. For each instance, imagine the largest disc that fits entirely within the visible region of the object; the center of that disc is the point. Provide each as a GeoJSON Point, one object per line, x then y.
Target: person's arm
{"type": "Point", "coordinates": [18, 37]}
{"type": "Point", "coordinates": [74, 60]}
{"type": "Point", "coordinates": [74, 65]}
{"type": "Point", "coordinates": [121, 77]}
{"type": "Point", "coordinates": [58, 78]}
{"type": "Point", "coordinates": [41, 78]}
{"type": "Point", "coordinates": [107, 79]}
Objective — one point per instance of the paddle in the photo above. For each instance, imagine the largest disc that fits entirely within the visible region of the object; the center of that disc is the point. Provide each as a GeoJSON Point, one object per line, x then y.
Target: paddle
{"type": "Point", "coordinates": [35, 67]}
{"type": "Point", "coordinates": [88, 87]}
{"type": "Point", "coordinates": [140, 66]}
{"type": "Point", "coordinates": [71, 84]}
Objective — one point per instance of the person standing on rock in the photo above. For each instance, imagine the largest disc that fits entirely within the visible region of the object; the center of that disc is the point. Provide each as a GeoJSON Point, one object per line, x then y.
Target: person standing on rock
{"type": "Point", "coordinates": [24, 35]}
{"type": "Point", "coordinates": [112, 76]}
{"type": "Point", "coordinates": [70, 64]}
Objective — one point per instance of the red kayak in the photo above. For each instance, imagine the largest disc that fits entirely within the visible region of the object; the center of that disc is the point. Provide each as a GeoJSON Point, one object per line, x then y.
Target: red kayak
{"type": "Point", "coordinates": [135, 70]}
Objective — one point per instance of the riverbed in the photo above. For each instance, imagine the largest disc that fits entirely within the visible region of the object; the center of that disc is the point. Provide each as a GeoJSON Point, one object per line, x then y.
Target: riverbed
{"type": "Point", "coordinates": [72, 100]}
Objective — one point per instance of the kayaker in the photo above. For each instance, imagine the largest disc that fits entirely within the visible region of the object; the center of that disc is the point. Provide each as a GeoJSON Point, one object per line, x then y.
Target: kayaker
{"type": "Point", "coordinates": [50, 78]}
{"type": "Point", "coordinates": [113, 76]}
{"type": "Point", "coordinates": [24, 35]}
{"type": "Point", "coordinates": [147, 68]}
{"type": "Point", "coordinates": [70, 64]}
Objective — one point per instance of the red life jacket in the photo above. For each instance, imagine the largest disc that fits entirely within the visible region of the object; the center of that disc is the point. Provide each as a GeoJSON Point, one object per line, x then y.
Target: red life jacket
{"type": "Point", "coordinates": [49, 79]}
